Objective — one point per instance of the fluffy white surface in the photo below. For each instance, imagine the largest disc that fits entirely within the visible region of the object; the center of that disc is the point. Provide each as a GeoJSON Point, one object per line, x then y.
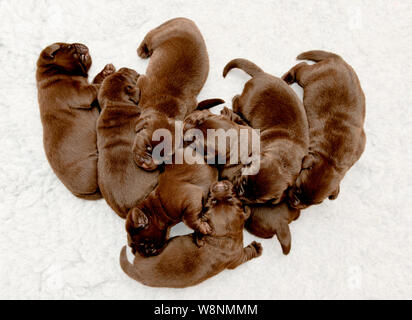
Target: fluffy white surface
{"type": "Point", "coordinates": [53, 245]}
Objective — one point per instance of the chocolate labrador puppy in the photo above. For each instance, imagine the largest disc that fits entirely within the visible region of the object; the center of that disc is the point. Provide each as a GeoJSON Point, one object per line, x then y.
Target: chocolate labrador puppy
{"type": "Point", "coordinates": [178, 197]}
{"type": "Point", "coordinates": [122, 183]}
{"type": "Point", "coordinates": [191, 259]}
{"type": "Point", "coordinates": [69, 115]}
{"type": "Point", "coordinates": [229, 158]}
{"type": "Point", "coordinates": [267, 221]}
{"type": "Point", "coordinates": [177, 71]}
{"type": "Point", "coordinates": [335, 106]}
{"type": "Point", "coordinates": [269, 104]}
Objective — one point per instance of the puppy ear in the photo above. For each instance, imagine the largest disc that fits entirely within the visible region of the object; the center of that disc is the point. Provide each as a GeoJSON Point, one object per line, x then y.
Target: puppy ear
{"type": "Point", "coordinates": [50, 51]}
{"type": "Point", "coordinates": [308, 161]}
{"type": "Point", "coordinates": [335, 194]}
{"type": "Point", "coordinates": [247, 212]}
{"type": "Point", "coordinates": [284, 237]}
{"type": "Point", "coordinates": [138, 219]}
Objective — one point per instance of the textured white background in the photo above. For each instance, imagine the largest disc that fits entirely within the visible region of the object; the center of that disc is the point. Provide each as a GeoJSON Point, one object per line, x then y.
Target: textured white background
{"type": "Point", "coordinates": [53, 245]}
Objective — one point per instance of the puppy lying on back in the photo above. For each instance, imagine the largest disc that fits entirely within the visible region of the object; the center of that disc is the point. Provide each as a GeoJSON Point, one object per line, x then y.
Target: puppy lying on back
{"type": "Point", "coordinates": [191, 259]}
{"type": "Point", "coordinates": [69, 116]}
{"type": "Point", "coordinates": [335, 106]}
{"type": "Point", "coordinates": [269, 104]}
{"type": "Point", "coordinates": [179, 196]}
{"type": "Point", "coordinates": [266, 221]}
{"type": "Point", "coordinates": [122, 183]}
{"type": "Point", "coordinates": [177, 71]}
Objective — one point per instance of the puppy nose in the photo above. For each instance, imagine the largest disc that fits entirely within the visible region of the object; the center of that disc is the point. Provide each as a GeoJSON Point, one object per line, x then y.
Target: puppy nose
{"type": "Point", "coordinates": [220, 187]}
{"type": "Point", "coordinates": [81, 48]}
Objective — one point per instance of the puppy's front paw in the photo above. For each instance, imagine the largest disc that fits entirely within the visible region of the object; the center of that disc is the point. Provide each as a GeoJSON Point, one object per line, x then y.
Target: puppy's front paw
{"type": "Point", "coordinates": [205, 228]}
{"type": "Point", "coordinates": [258, 247]}
{"type": "Point", "coordinates": [108, 70]}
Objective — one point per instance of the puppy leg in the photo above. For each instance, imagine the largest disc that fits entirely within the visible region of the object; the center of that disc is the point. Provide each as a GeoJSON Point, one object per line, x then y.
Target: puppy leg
{"type": "Point", "coordinates": [107, 71]}
{"type": "Point", "coordinates": [295, 74]}
{"type": "Point", "coordinates": [252, 251]}
{"type": "Point", "coordinates": [231, 115]}
{"type": "Point", "coordinates": [193, 209]}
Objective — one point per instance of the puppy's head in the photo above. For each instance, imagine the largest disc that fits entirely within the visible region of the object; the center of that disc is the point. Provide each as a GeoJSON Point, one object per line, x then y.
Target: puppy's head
{"type": "Point", "coordinates": [146, 141]}
{"type": "Point", "coordinates": [268, 186]}
{"type": "Point", "coordinates": [120, 87]}
{"type": "Point", "coordinates": [64, 58]}
{"type": "Point", "coordinates": [316, 182]}
{"type": "Point", "coordinates": [145, 236]}
{"type": "Point", "coordinates": [224, 211]}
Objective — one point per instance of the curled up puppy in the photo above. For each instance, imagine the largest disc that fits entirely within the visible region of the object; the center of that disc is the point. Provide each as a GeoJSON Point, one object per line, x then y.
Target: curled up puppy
{"type": "Point", "coordinates": [182, 190]}
{"type": "Point", "coordinates": [177, 71]}
{"type": "Point", "coordinates": [189, 260]}
{"type": "Point", "coordinates": [122, 183]}
{"type": "Point", "coordinates": [335, 106]}
{"type": "Point", "coordinates": [69, 114]}
{"type": "Point", "coordinates": [267, 103]}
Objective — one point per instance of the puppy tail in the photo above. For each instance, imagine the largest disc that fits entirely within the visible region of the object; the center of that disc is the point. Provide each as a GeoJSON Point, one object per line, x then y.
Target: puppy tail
{"type": "Point", "coordinates": [208, 104]}
{"type": "Point", "coordinates": [246, 65]}
{"type": "Point", "coordinates": [126, 266]}
{"type": "Point", "coordinates": [316, 55]}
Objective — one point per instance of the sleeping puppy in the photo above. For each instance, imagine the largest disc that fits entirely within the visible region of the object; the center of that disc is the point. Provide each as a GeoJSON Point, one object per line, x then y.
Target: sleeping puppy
{"type": "Point", "coordinates": [230, 165]}
{"type": "Point", "coordinates": [270, 105]}
{"type": "Point", "coordinates": [266, 221]}
{"type": "Point", "coordinates": [69, 115]}
{"type": "Point", "coordinates": [189, 260]}
{"type": "Point", "coordinates": [179, 196]}
{"type": "Point", "coordinates": [121, 182]}
{"type": "Point", "coordinates": [177, 71]}
{"type": "Point", "coordinates": [335, 106]}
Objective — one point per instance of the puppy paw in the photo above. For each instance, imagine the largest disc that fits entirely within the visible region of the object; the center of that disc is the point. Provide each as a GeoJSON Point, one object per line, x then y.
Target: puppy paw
{"type": "Point", "coordinates": [143, 51]}
{"type": "Point", "coordinates": [204, 228]}
{"type": "Point", "coordinates": [108, 70]}
{"type": "Point", "coordinates": [258, 247]}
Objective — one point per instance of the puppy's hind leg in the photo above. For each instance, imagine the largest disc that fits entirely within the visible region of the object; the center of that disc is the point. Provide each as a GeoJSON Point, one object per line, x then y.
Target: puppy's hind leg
{"type": "Point", "coordinates": [295, 74]}
{"type": "Point", "coordinates": [252, 251]}
{"type": "Point", "coordinates": [193, 209]}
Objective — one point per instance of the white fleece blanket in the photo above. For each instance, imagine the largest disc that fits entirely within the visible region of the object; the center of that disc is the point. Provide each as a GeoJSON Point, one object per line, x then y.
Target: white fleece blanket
{"type": "Point", "coordinates": [53, 245]}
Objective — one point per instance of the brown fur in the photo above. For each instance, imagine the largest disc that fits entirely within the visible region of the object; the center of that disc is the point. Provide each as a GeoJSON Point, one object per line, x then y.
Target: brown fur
{"type": "Point", "coordinates": [269, 104]}
{"type": "Point", "coordinates": [69, 116]}
{"type": "Point", "coordinates": [335, 106]}
{"type": "Point", "coordinates": [267, 221]}
{"type": "Point", "coordinates": [122, 183]}
{"type": "Point", "coordinates": [179, 196]}
{"type": "Point", "coordinates": [228, 120]}
{"type": "Point", "coordinates": [191, 259]}
{"type": "Point", "coordinates": [177, 71]}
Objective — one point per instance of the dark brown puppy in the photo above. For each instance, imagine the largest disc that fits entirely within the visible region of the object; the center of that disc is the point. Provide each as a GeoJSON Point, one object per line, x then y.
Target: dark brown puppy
{"type": "Point", "coordinates": [267, 221]}
{"type": "Point", "coordinates": [69, 115]}
{"type": "Point", "coordinates": [269, 104]}
{"type": "Point", "coordinates": [228, 160]}
{"type": "Point", "coordinates": [335, 106]}
{"type": "Point", "coordinates": [179, 196]}
{"type": "Point", "coordinates": [122, 183]}
{"type": "Point", "coordinates": [177, 71]}
{"type": "Point", "coordinates": [191, 259]}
